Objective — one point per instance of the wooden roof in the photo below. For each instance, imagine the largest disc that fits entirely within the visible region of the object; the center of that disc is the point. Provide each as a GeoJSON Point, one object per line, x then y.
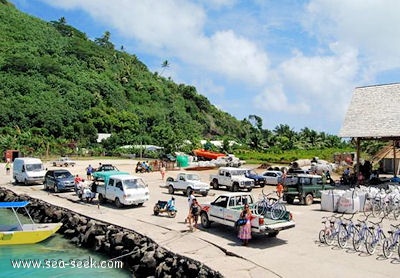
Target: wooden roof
{"type": "Point", "coordinates": [373, 113]}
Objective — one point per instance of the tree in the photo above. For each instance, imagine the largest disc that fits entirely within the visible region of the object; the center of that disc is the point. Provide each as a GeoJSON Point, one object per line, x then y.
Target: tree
{"type": "Point", "coordinates": [164, 65]}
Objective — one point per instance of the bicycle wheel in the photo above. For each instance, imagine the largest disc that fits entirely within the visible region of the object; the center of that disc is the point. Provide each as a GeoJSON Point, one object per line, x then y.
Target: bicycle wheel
{"type": "Point", "coordinates": [371, 241]}
{"type": "Point", "coordinates": [367, 209]}
{"type": "Point", "coordinates": [278, 211]}
{"type": "Point", "coordinates": [388, 248]}
{"type": "Point", "coordinates": [321, 236]}
{"type": "Point", "coordinates": [260, 208]}
{"type": "Point", "coordinates": [330, 236]}
{"type": "Point", "coordinates": [343, 237]}
{"type": "Point", "coordinates": [376, 210]}
{"type": "Point", "coordinates": [357, 239]}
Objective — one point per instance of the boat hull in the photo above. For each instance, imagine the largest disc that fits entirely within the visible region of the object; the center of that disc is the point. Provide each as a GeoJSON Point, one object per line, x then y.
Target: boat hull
{"type": "Point", "coordinates": [29, 234]}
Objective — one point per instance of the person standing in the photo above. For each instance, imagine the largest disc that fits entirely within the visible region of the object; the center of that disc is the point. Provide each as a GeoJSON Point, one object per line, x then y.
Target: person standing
{"type": "Point", "coordinates": [195, 209]}
{"type": "Point", "coordinates": [163, 168]}
{"type": "Point", "coordinates": [279, 190]}
{"type": "Point", "coordinates": [89, 172]}
{"type": "Point", "coordinates": [8, 167]}
{"type": "Point", "coordinates": [245, 230]}
{"type": "Point", "coordinates": [190, 201]}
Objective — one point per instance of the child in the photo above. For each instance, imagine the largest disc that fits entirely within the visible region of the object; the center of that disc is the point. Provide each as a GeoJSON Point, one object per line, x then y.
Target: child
{"type": "Point", "coordinates": [279, 190]}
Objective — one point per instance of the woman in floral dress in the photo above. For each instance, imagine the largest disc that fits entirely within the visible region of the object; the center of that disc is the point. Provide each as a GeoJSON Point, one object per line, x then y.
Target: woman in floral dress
{"type": "Point", "coordinates": [245, 230]}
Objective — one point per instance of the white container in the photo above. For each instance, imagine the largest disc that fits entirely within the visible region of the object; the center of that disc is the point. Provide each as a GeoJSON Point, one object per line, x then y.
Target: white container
{"type": "Point", "coordinates": [330, 199]}
{"type": "Point", "coordinates": [349, 202]}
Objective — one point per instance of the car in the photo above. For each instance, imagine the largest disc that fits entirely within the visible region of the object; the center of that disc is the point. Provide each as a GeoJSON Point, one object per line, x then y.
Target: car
{"type": "Point", "coordinates": [106, 167]}
{"type": "Point", "coordinates": [272, 176]}
{"type": "Point", "coordinates": [258, 179]}
{"type": "Point", "coordinates": [64, 162]}
{"type": "Point", "coordinates": [59, 180]}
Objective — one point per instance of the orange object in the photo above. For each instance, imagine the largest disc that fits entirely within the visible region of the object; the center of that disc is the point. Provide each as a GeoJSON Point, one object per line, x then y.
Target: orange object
{"type": "Point", "coordinates": [207, 154]}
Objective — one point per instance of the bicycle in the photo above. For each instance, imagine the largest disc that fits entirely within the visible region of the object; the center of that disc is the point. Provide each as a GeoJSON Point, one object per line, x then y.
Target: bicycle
{"type": "Point", "coordinates": [392, 242]}
{"type": "Point", "coordinates": [360, 234]}
{"type": "Point", "coordinates": [275, 207]}
{"type": "Point", "coordinates": [346, 232]}
{"type": "Point", "coordinates": [331, 230]}
{"type": "Point", "coordinates": [375, 237]}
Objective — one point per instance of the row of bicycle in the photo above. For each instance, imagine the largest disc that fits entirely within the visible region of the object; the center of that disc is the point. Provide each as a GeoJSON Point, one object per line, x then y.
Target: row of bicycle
{"type": "Point", "coordinates": [380, 206]}
{"type": "Point", "coordinates": [360, 233]}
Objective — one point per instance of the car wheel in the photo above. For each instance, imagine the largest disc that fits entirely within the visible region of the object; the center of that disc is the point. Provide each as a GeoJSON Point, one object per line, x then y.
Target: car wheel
{"type": "Point", "coordinates": [309, 199]}
{"type": "Point", "coordinates": [56, 190]}
{"type": "Point", "coordinates": [215, 184]}
{"type": "Point", "coordinates": [170, 189]}
{"type": "Point", "coordinates": [188, 190]}
{"type": "Point", "coordinates": [205, 223]}
{"type": "Point", "coordinates": [26, 182]}
{"type": "Point", "coordinates": [289, 200]}
{"type": "Point", "coordinates": [235, 187]}
{"type": "Point", "coordinates": [54, 164]}
{"type": "Point", "coordinates": [45, 186]}
{"type": "Point", "coordinates": [204, 194]}
{"type": "Point", "coordinates": [118, 203]}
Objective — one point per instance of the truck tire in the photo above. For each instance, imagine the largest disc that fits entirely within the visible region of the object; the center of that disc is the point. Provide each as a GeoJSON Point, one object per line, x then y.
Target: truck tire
{"type": "Point", "coordinates": [26, 182]}
{"type": "Point", "coordinates": [46, 188]}
{"type": "Point", "coordinates": [308, 199]}
{"type": "Point", "coordinates": [215, 184]}
{"type": "Point", "coordinates": [171, 189]}
{"type": "Point", "coordinates": [56, 190]}
{"type": "Point", "coordinates": [118, 203]}
{"type": "Point", "coordinates": [273, 234]}
{"type": "Point", "coordinates": [290, 200]}
{"type": "Point", "coordinates": [249, 189]}
{"type": "Point", "coordinates": [66, 164]}
{"type": "Point", "coordinates": [187, 191]}
{"type": "Point", "coordinates": [205, 223]}
{"type": "Point", "coordinates": [54, 164]}
{"type": "Point", "coordinates": [235, 187]}
{"type": "Point", "coordinates": [204, 194]}
{"type": "Point", "coordinates": [101, 199]}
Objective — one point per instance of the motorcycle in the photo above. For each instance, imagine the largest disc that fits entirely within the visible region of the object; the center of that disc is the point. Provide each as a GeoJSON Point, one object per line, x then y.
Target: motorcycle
{"type": "Point", "coordinates": [163, 206]}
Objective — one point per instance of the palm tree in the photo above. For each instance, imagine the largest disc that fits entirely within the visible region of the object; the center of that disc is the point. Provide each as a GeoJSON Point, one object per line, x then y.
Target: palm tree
{"type": "Point", "coordinates": [164, 65]}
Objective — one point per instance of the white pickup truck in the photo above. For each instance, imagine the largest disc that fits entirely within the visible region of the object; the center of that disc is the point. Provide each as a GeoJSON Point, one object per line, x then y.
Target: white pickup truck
{"type": "Point", "coordinates": [232, 178]}
{"type": "Point", "coordinates": [226, 209]}
{"type": "Point", "coordinates": [64, 162]}
{"type": "Point", "coordinates": [122, 188]}
{"type": "Point", "coordinates": [187, 182]}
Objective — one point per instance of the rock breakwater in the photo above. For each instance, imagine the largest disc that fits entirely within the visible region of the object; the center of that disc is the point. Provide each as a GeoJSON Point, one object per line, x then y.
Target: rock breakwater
{"type": "Point", "coordinates": [141, 255]}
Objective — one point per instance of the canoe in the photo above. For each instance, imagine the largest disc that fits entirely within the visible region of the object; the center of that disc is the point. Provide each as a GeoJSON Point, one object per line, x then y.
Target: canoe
{"type": "Point", "coordinates": [208, 154]}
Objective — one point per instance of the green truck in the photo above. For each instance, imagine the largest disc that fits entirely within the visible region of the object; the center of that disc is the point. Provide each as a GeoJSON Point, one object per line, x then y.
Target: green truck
{"type": "Point", "coordinates": [305, 187]}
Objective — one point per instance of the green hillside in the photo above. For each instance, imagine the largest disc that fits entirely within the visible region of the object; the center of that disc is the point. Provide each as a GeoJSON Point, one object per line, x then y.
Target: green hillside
{"type": "Point", "coordinates": [59, 89]}
{"type": "Point", "coordinates": [58, 86]}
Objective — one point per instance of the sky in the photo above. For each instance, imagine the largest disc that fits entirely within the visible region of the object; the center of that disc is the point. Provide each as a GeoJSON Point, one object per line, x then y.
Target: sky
{"type": "Point", "coordinates": [290, 62]}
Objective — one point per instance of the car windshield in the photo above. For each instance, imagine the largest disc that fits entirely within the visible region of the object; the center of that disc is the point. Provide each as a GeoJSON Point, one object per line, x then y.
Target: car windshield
{"type": "Point", "coordinates": [108, 168]}
{"type": "Point", "coordinates": [63, 175]}
{"type": "Point", "coordinates": [134, 183]}
{"type": "Point", "coordinates": [239, 172]}
{"type": "Point", "coordinates": [34, 167]}
{"type": "Point", "coordinates": [193, 177]}
{"type": "Point", "coordinates": [251, 172]}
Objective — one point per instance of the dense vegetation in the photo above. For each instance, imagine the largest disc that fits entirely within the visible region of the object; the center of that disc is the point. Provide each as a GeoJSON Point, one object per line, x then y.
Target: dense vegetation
{"type": "Point", "coordinates": [58, 90]}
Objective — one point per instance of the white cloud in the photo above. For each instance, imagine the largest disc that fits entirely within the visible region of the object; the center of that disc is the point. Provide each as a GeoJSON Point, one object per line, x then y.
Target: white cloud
{"type": "Point", "coordinates": [368, 25]}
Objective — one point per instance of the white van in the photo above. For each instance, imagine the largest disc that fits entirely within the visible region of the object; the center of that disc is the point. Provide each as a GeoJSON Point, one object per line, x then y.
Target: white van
{"type": "Point", "coordinates": [122, 189]}
{"type": "Point", "coordinates": [28, 170]}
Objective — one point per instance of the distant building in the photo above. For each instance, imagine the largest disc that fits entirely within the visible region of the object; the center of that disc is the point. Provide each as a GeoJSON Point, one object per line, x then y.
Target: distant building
{"type": "Point", "coordinates": [102, 136]}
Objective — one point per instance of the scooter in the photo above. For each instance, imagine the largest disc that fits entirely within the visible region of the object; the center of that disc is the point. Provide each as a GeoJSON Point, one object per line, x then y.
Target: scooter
{"type": "Point", "coordinates": [162, 206]}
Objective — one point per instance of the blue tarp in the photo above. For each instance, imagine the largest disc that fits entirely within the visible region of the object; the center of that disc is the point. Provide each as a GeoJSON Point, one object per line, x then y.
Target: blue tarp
{"type": "Point", "coordinates": [13, 204]}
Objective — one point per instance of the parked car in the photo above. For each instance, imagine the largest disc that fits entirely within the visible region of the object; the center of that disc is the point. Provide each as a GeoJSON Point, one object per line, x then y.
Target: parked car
{"type": "Point", "coordinates": [64, 162]}
{"type": "Point", "coordinates": [272, 176]}
{"type": "Point", "coordinates": [59, 180]}
{"type": "Point", "coordinates": [187, 182]}
{"type": "Point", "coordinates": [258, 179]}
{"type": "Point", "coordinates": [106, 167]}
